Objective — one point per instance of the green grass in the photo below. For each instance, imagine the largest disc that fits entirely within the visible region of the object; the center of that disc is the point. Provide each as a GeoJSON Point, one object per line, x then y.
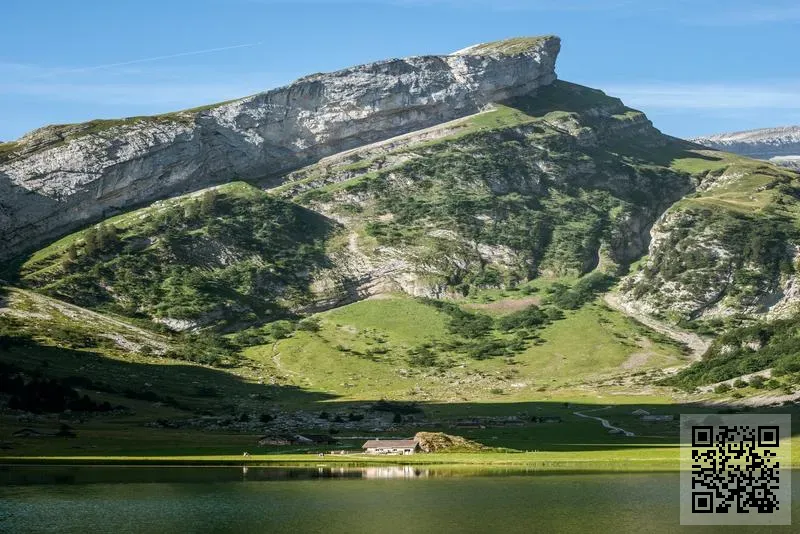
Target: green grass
{"type": "Point", "coordinates": [513, 46]}
{"type": "Point", "coordinates": [363, 348]}
{"type": "Point", "coordinates": [6, 149]}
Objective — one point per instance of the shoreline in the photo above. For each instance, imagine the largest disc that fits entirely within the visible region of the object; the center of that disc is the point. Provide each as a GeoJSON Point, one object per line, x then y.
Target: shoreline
{"type": "Point", "coordinates": [522, 461]}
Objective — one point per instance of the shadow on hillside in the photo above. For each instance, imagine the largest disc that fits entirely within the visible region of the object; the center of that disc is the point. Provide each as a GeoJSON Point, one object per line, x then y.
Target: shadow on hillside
{"type": "Point", "coordinates": [554, 426]}
{"type": "Point", "coordinates": [192, 388]}
{"type": "Point", "coordinates": [673, 150]}
{"type": "Point", "coordinates": [547, 425]}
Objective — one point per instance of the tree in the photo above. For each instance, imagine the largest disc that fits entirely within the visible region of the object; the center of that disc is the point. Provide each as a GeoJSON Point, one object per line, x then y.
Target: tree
{"type": "Point", "coordinates": [191, 211]}
{"type": "Point", "coordinates": [91, 241]}
{"type": "Point", "coordinates": [208, 202]}
{"type": "Point", "coordinates": [71, 255]}
{"type": "Point", "coordinates": [722, 388]}
{"type": "Point", "coordinates": [107, 236]}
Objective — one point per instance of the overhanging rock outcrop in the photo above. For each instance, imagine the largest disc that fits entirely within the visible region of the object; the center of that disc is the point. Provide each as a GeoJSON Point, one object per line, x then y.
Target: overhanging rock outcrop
{"type": "Point", "coordinates": [57, 178]}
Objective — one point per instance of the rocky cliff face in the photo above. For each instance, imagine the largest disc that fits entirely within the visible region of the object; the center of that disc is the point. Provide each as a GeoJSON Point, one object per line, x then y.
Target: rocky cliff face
{"type": "Point", "coordinates": [728, 250]}
{"type": "Point", "coordinates": [59, 177]}
{"type": "Point", "coordinates": [778, 145]}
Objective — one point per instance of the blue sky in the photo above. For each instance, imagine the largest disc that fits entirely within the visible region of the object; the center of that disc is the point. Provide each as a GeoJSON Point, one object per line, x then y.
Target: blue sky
{"type": "Point", "coordinates": [694, 66]}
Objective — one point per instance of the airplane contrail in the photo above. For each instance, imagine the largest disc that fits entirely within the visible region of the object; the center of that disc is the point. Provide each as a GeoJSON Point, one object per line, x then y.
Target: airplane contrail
{"type": "Point", "coordinates": [154, 58]}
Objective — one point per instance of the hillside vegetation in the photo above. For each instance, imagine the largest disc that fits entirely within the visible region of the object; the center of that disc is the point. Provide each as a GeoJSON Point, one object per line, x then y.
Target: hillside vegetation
{"type": "Point", "coordinates": [727, 250]}
{"type": "Point", "coordinates": [459, 264]}
{"type": "Point", "coordinates": [227, 255]}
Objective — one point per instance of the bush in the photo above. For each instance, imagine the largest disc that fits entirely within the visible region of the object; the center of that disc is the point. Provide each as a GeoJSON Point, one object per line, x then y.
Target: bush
{"type": "Point", "coordinates": [722, 388]}
{"type": "Point", "coordinates": [772, 384]}
{"type": "Point", "coordinates": [530, 317]}
{"type": "Point", "coordinates": [758, 382]}
{"type": "Point", "coordinates": [311, 324]}
{"type": "Point", "coordinates": [280, 329]}
{"type": "Point", "coordinates": [396, 407]}
{"type": "Point", "coordinates": [739, 383]}
{"type": "Point", "coordinates": [423, 357]}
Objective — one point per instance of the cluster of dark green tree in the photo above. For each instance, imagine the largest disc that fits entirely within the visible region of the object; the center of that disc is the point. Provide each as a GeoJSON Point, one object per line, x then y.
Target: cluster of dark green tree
{"type": "Point", "coordinates": [227, 257]}
{"type": "Point", "coordinates": [481, 336]}
{"type": "Point", "coordinates": [745, 350]}
{"type": "Point", "coordinates": [44, 395]}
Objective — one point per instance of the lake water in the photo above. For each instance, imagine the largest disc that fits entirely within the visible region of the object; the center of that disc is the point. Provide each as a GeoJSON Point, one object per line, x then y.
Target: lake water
{"type": "Point", "coordinates": [334, 500]}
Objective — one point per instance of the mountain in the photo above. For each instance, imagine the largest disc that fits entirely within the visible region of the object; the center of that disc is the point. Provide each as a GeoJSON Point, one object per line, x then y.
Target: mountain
{"type": "Point", "coordinates": [450, 228]}
{"type": "Point", "coordinates": [59, 177]}
{"type": "Point", "coordinates": [778, 145]}
{"type": "Point", "coordinates": [562, 183]}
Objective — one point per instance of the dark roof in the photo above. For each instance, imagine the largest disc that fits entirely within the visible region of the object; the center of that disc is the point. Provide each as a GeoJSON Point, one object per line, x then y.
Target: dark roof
{"type": "Point", "coordinates": [390, 443]}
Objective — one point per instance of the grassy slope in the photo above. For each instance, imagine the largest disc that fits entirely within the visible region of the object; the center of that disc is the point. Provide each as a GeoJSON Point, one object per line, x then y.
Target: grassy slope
{"type": "Point", "coordinates": [242, 255]}
{"type": "Point", "coordinates": [337, 359]}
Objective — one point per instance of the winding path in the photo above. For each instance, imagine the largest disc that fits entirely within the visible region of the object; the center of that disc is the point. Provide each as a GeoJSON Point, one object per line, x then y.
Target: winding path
{"type": "Point", "coordinates": [605, 422]}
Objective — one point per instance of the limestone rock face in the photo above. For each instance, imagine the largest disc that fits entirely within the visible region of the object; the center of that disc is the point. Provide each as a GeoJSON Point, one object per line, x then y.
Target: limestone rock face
{"type": "Point", "coordinates": [59, 177]}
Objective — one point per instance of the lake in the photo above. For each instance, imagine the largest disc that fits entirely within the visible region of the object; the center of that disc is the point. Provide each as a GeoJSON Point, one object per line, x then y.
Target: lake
{"type": "Point", "coordinates": [333, 500]}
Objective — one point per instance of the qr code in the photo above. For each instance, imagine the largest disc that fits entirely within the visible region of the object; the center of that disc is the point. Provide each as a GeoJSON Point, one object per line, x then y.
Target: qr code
{"type": "Point", "coordinates": [731, 469]}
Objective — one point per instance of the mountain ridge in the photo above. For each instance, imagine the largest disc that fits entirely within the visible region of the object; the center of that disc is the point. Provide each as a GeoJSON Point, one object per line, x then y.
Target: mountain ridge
{"type": "Point", "coordinates": [59, 177]}
{"type": "Point", "coordinates": [779, 145]}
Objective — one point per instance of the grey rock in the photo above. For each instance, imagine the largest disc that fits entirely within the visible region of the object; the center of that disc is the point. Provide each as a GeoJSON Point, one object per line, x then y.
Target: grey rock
{"type": "Point", "coordinates": [58, 178]}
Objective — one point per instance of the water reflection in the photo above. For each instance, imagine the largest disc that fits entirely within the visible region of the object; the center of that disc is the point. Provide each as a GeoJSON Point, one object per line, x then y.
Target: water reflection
{"type": "Point", "coordinates": [65, 475]}
{"type": "Point", "coordinates": [338, 499]}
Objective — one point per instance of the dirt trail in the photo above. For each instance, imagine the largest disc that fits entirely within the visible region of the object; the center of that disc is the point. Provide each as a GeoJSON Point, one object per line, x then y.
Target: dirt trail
{"type": "Point", "coordinates": [605, 422]}
{"type": "Point", "coordinates": [696, 344]}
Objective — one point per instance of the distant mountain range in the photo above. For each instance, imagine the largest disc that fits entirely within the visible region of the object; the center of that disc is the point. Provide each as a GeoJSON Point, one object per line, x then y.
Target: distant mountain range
{"type": "Point", "coordinates": [778, 145]}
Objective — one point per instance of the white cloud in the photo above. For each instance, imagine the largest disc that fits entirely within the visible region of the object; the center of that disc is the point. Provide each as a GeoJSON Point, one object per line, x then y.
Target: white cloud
{"type": "Point", "coordinates": [707, 96]}
{"type": "Point", "coordinates": [749, 15]}
{"type": "Point", "coordinates": [59, 72]}
{"type": "Point", "coordinates": [155, 94]}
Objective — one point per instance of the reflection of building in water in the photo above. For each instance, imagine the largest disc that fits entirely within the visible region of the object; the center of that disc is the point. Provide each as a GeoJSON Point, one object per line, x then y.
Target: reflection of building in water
{"type": "Point", "coordinates": [395, 471]}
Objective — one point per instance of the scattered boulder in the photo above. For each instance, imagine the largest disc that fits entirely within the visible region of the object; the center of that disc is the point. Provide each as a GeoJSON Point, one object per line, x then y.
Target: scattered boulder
{"type": "Point", "coordinates": [441, 442]}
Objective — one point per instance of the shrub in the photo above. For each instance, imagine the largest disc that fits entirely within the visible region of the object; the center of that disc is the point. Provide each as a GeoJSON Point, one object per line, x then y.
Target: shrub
{"type": "Point", "coordinates": [722, 388]}
{"type": "Point", "coordinates": [758, 382]}
{"type": "Point", "coordinates": [311, 324]}
{"type": "Point", "coordinates": [423, 357]}
{"type": "Point", "coordinates": [528, 318]}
